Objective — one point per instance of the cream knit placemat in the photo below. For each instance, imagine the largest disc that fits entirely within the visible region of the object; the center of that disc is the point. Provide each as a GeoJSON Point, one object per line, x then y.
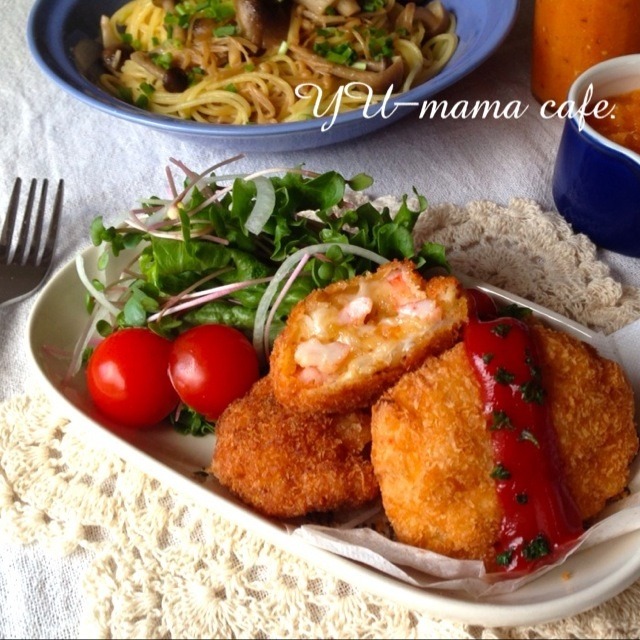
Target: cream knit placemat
{"type": "Point", "coordinates": [164, 567]}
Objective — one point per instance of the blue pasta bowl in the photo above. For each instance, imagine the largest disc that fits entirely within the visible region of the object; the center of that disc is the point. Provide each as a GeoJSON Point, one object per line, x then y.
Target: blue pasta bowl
{"type": "Point", "coordinates": [61, 33]}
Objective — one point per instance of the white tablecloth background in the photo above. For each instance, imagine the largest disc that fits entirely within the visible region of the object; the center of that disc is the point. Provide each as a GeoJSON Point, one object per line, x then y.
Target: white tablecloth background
{"type": "Point", "coordinates": [108, 164]}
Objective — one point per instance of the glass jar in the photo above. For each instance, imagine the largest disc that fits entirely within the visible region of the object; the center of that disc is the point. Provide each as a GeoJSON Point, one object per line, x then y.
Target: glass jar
{"type": "Point", "coordinates": [569, 36]}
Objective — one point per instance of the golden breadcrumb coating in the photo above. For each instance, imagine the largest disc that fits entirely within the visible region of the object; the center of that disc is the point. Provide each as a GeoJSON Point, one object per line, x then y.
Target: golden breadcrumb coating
{"type": "Point", "coordinates": [432, 451]}
{"type": "Point", "coordinates": [344, 344]}
{"type": "Point", "coordinates": [432, 456]}
{"type": "Point", "coordinates": [288, 464]}
{"type": "Point", "coordinates": [592, 407]}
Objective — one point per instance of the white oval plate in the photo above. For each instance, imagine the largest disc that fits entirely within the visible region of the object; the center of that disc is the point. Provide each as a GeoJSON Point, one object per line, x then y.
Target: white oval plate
{"type": "Point", "coordinates": [597, 574]}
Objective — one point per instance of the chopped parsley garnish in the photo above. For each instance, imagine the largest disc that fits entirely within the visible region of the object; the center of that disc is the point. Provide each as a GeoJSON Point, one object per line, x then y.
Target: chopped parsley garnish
{"type": "Point", "coordinates": [502, 376]}
{"type": "Point", "coordinates": [500, 472]}
{"type": "Point", "coordinates": [522, 498]}
{"type": "Point", "coordinates": [500, 421]}
{"type": "Point", "coordinates": [533, 392]}
{"type": "Point", "coordinates": [487, 357]}
{"type": "Point", "coordinates": [501, 329]}
{"type": "Point", "coordinates": [534, 369]}
{"type": "Point", "coordinates": [504, 559]}
{"type": "Point", "coordinates": [537, 548]}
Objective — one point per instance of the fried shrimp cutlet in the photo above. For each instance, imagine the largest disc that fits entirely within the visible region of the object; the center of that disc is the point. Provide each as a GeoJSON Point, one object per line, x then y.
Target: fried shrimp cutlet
{"type": "Point", "coordinates": [344, 344]}
{"type": "Point", "coordinates": [287, 464]}
{"type": "Point", "coordinates": [592, 407]}
{"type": "Point", "coordinates": [433, 456]}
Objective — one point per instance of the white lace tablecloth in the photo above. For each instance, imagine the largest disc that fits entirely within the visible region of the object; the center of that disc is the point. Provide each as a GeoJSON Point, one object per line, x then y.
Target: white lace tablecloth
{"type": "Point", "coordinates": [91, 547]}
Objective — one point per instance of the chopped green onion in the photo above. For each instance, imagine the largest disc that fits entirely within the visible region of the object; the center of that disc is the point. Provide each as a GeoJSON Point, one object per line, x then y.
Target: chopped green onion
{"type": "Point", "coordinates": [225, 30]}
{"type": "Point", "coordinates": [283, 48]}
{"type": "Point", "coordinates": [147, 88]}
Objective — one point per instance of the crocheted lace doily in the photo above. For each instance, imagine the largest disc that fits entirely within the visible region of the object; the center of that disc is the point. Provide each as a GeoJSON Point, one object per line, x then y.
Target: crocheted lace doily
{"type": "Point", "coordinates": [165, 567]}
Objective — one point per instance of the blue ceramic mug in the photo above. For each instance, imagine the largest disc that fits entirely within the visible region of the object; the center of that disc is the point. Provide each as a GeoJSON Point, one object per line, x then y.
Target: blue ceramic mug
{"type": "Point", "coordinates": [596, 182]}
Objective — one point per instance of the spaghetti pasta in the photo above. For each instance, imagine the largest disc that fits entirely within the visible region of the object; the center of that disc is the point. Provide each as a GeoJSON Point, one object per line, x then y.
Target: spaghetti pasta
{"type": "Point", "coordinates": [268, 61]}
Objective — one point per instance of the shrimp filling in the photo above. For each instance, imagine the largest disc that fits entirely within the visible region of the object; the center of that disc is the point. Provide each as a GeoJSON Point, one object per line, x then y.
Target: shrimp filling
{"type": "Point", "coordinates": [370, 325]}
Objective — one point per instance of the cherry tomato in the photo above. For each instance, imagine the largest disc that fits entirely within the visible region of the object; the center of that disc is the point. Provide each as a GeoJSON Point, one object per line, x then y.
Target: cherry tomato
{"type": "Point", "coordinates": [210, 366]}
{"type": "Point", "coordinates": [128, 379]}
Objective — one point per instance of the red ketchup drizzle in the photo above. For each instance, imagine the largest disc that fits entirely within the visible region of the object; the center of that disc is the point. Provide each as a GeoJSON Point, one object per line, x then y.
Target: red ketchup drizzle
{"type": "Point", "coordinates": [540, 516]}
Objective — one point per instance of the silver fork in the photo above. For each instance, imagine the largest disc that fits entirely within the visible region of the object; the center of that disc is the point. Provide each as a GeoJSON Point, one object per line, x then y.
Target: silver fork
{"type": "Point", "coordinates": [25, 261]}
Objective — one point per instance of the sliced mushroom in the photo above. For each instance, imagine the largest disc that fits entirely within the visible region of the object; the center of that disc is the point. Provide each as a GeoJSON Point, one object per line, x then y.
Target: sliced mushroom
{"type": "Point", "coordinates": [404, 19]}
{"type": "Point", "coordinates": [265, 24]}
{"type": "Point", "coordinates": [316, 6]}
{"type": "Point", "coordinates": [203, 27]}
{"type": "Point", "coordinates": [114, 51]}
{"type": "Point", "coordinates": [109, 36]}
{"type": "Point", "coordinates": [115, 56]}
{"type": "Point", "coordinates": [344, 8]}
{"type": "Point", "coordinates": [87, 54]}
{"type": "Point", "coordinates": [434, 17]}
{"type": "Point", "coordinates": [174, 79]}
{"type": "Point", "coordinates": [347, 8]}
{"type": "Point", "coordinates": [250, 20]}
{"type": "Point", "coordinates": [141, 58]}
{"type": "Point", "coordinates": [379, 81]}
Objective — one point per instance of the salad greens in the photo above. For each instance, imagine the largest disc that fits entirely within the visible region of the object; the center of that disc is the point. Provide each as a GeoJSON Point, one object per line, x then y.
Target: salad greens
{"type": "Point", "coordinates": [209, 254]}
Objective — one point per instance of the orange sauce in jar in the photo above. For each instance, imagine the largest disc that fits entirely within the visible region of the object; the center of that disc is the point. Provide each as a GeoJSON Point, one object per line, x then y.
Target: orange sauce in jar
{"type": "Point", "coordinates": [622, 126]}
{"type": "Point", "coordinates": [569, 36]}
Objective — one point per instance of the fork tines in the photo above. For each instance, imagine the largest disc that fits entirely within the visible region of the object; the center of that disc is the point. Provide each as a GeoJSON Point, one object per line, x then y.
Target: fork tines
{"type": "Point", "coordinates": [30, 247]}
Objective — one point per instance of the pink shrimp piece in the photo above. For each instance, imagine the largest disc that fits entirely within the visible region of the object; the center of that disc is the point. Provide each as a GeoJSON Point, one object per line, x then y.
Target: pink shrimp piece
{"type": "Point", "coordinates": [311, 375]}
{"type": "Point", "coordinates": [402, 290]}
{"type": "Point", "coordinates": [324, 357]}
{"type": "Point", "coordinates": [356, 311]}
{"type": "Point", "coordinates": [423, 309]}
